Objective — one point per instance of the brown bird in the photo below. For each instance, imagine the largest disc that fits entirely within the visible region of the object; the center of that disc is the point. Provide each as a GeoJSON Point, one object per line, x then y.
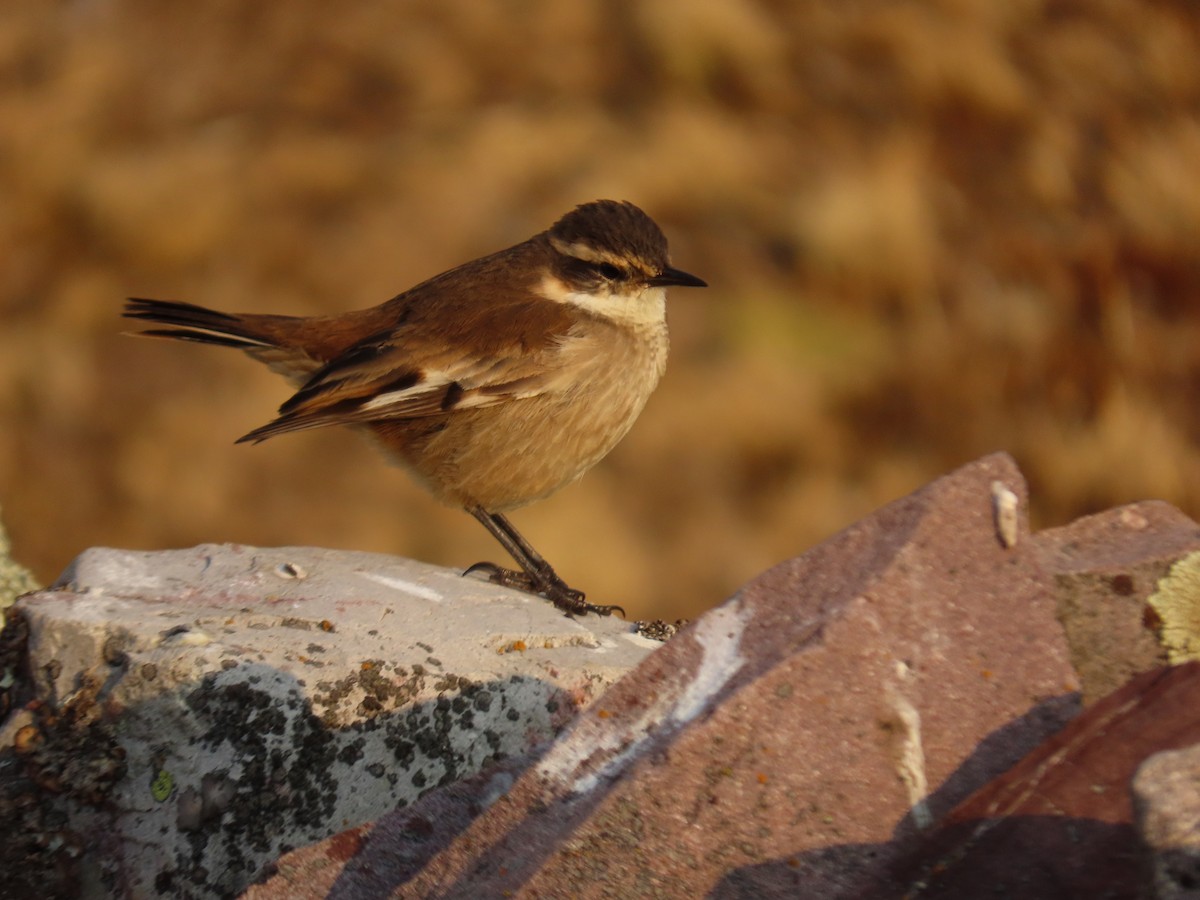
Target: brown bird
{"type": "Point", "coordinates": [496, 383]}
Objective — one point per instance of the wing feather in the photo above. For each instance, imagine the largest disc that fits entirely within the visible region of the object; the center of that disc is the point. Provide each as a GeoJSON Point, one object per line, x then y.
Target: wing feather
{"type": "Point", "coordinates": [404, 374]}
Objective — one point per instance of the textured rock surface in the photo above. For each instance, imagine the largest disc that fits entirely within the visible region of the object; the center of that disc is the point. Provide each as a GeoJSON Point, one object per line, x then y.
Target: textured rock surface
{"type": "Point", "coordinates": [1106, 568]}
{"type": "Point", "coordinates": [845, 726]}
{"type": "Point", "coordinates": [775, 746]}
{"type": "Point", "coordinates": [1060, 823]}
{"type": "Point", "coordinates": [384, 853]}
{"type": "Point", "coordinates": [198, 712]}
{"type": "Point", "coordinates": [1166, 793]}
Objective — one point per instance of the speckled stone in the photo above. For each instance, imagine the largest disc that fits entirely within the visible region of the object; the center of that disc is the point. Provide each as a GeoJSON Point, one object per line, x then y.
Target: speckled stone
{"type": "Point", "coordinates": [199, 712]}
{"type": "Point", "coordinates": [1166, 795]}
{"type": "Point", "coordinates": [1106, 567]}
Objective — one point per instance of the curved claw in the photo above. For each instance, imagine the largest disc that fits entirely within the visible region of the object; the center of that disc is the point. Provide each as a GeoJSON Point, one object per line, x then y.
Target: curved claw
{"type": "Point", "coordinates": [490, 567]}
{"type": "Point", "coordinates": [572, 602]}
{"type": "Point", "coordinates": [504, 577]}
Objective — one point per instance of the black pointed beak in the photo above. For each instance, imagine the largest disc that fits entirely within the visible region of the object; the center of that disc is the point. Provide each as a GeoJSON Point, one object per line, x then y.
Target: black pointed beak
{"type": "Point", "coordinates": [669, 277]}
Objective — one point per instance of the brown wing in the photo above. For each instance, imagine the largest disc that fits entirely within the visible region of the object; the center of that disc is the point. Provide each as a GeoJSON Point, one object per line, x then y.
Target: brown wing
{"type": "Point", "coordinates": [423, 368]}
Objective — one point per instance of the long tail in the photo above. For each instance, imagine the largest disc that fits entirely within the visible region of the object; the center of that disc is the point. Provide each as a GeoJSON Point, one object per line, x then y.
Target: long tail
{"type": "Point", "coordinates": [283, 343]}
{"type": "Point", "coordinates": [195, 323]}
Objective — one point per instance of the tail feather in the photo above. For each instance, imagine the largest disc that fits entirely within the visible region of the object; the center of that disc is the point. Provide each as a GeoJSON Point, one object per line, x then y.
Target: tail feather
{"type": "Point", "coordinates": [199, 337]}
{"type": "Point", "coordinates": [281, 342]}
{"type": "Point", "coordinates": [195, 323]}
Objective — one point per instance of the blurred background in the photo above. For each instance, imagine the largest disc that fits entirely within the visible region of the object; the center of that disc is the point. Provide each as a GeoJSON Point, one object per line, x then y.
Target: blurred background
{"type": "Point", "coordinates": [931, 231]}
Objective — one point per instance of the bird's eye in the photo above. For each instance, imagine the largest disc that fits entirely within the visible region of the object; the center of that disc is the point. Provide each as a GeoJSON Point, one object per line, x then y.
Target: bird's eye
{"type": "Point", "coordinates": [609, 271]}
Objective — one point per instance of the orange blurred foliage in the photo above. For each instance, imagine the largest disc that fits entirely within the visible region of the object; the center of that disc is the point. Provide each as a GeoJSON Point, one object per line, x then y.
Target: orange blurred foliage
{"type": "Point", "coordinates": [931, 230]}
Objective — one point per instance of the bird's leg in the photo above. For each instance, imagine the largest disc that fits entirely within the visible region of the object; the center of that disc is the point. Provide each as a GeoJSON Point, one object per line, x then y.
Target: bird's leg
{"type": "Point", "coordinates": [536, 575]}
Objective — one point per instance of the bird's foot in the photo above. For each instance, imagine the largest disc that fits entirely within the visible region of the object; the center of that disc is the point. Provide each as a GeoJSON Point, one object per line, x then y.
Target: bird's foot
{"type": "Point", "coordinates": [549, 586]}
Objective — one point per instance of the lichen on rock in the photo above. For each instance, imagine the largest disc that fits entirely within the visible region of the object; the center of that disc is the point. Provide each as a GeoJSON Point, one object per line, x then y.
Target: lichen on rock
{"type": "Point", "coordinates": [15, 579]}
{"type": "Point", "coordinates": [1177, 604]}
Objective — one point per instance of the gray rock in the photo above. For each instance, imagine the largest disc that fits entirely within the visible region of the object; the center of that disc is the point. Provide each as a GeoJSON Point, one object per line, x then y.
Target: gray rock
{"type": "Point", "coordinates": [1166, 800]}
{"type": "Point", "coordinates": [203, 711]}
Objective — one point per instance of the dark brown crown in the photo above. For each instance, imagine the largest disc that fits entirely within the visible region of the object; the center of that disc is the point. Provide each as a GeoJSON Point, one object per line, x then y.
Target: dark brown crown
{"type": "Point", "coordinates": [612, 231]}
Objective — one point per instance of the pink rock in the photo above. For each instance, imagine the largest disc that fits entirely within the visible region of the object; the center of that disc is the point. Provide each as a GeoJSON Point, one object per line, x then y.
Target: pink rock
{"type": "Point", "coordinates": [1059, 824]}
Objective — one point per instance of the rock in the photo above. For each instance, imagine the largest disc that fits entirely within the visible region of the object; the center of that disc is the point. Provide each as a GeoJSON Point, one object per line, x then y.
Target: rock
{"type": "Point", "coordinates": [1166, 799]}
{"type": "Point", "coordinates": [777, 745]}
{"type": "Point", "coordinates": [1059, 824]}
{"type": "Point", "coordinates": [384, 853]}
{"type": "Point", "coordinates": [199, 712]}
{"type": "Point", "coordinates": [846, 725]}
{"type": "Point", "coordinates": [1107, 570]}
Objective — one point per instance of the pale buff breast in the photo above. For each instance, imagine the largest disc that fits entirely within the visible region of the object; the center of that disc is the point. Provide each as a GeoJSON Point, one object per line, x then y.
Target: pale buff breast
{"type": "Point", "coordinates": [508, 455]}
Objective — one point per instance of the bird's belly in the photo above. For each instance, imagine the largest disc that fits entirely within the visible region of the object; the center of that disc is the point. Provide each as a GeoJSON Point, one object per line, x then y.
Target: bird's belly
{"type": "Point", "coordinates": [525, 450]}
{"type": "Point", "coordinates": [514, 453]}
